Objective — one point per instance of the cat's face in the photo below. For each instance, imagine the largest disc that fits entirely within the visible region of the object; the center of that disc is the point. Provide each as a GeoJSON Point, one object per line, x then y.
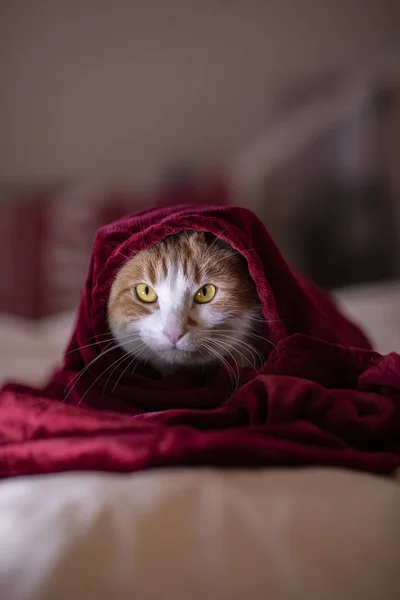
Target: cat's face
{"type": "Point", "coordinates": [187, 300]}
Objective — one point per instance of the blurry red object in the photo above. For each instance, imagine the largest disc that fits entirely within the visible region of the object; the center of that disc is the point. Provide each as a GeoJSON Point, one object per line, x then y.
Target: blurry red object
{"type": "Point", "coordinates": [45, 243]}
{"type": "Point", "coordinates": [46, 238]}
{"type": "Point", "coordinates": [23, 289]}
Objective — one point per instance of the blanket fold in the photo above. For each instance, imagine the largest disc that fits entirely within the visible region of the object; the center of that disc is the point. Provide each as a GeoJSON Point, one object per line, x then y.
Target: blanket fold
{"type": "Point", "coordinates": [322, 396]}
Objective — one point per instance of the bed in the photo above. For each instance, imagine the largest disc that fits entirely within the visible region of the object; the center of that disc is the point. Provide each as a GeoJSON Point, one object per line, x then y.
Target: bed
{"type": "Point", "coordinates": [191, 534]}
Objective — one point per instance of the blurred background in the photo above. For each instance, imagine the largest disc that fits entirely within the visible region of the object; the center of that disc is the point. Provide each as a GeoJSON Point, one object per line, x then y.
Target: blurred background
{"type": "Point", "coordinates": [288, 107]}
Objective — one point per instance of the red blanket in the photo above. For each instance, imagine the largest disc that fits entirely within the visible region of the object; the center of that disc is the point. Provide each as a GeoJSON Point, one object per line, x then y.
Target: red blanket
{"type": "Point", "coordinates": [322, 397]}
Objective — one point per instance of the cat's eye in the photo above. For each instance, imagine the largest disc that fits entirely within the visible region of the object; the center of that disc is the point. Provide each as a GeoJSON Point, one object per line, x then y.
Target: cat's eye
{"type": "Point", "coordinates": [205, 294]}
{"type": "Point", "coordinates": [145, 293]}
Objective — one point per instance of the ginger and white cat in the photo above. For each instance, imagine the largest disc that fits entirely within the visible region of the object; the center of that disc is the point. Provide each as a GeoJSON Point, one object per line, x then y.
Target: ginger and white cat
{"type": "Point", "coordinates": [188, 300]}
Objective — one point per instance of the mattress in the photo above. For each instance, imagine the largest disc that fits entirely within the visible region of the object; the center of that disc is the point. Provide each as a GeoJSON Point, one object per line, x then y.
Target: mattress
{"type": "Point", "coordinates": [191, 535]}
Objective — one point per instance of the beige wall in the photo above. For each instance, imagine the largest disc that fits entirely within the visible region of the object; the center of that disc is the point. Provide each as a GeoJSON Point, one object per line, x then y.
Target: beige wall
{"type": "Point", "coordinates": [116, 89]}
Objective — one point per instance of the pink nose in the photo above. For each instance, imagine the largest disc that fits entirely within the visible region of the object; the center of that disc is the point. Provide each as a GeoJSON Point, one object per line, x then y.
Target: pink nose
{"type": "Point", "coordinates": [174, 334]}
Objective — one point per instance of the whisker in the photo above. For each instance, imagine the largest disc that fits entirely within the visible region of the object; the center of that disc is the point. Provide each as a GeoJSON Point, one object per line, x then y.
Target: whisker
{"type": "Point", "coordinates": [215, 240]}
{"type": "Point", "coordinates": [79, 375]}
{"type": "Point", "coordinates": [121, 360]}
{"type": "Point", "coordinates": [226, 348]}
{"type": "Point", "coordinates": [125, 357]}
{"type": "Point", "coordinates": [252, 351]}
{"type": "Point", "coordinates": [112, 338]}
{"type": "Point", "coordinates": [213, 264]}
{"type": "Point", "coordinates": [261, 337]}
{"type": "Point", "coordinates": [263, 320]}
{"type": "Point", "coordinates": [127, 367]}
{"type": "Point", "coordinates": [241, 342]}
{"type": "Point", "coordinates": [221, 359]}
{"type": "Point", "coordinates": [228, 343]}
{"type": "Point", "coordinates": [140, 359]}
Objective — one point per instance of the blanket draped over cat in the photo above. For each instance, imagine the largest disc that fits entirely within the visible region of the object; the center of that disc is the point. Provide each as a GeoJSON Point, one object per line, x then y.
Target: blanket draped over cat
{"type": "Point", "coordinates": [322, 397]}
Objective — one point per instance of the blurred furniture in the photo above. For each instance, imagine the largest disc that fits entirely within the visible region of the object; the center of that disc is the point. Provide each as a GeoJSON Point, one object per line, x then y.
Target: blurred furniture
{"type": "Point", "coordinates": [46, 236]}
{"type": "Point", "coordinates": [335, 210]}
{"type": "Point", "coordinates": [323, 175]}
{"type": "Point", "coordinates": [47, 233]}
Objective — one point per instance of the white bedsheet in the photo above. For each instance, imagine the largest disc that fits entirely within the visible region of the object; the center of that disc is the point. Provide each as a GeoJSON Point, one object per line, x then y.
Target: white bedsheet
{"type": "Point", "coordinates": [194, 535]}
{"type": "Point", "coordinates": [376, 308]}
{"type": "Point", "coordinates": [30, 350]}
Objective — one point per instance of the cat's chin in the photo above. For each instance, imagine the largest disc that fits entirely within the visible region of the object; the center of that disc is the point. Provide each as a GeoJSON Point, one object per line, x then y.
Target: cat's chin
{"type": "Point", "coordinates": [168, 362]}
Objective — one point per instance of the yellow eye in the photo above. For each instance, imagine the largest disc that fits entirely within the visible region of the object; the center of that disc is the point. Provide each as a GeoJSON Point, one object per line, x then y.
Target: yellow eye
{"type": "Point", "coordinates": [145, 293]}
{"type": "Point", "coordinates": [205, 294]}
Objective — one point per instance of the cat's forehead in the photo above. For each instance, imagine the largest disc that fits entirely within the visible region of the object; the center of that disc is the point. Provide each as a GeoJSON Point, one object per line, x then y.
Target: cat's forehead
{"type": "Point", "coordinates": [175, 258]}
{"type": "Point", "coordinates": [176, 287]}
{"type": "Point", "coordinates": [188, 256]}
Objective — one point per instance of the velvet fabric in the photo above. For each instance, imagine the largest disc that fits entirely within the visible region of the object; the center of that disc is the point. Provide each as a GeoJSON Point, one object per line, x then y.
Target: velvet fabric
{"type": "Point", "coordinates": [322, 396]}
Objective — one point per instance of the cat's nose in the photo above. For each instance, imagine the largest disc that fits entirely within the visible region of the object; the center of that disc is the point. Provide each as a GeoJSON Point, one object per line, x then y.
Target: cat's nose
{"type": "Point", "coordinates": [174, 334]}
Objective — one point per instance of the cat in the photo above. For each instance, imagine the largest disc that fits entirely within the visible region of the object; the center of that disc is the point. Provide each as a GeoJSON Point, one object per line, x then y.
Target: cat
{"type": "Point", "coordinates": [186, 301]}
